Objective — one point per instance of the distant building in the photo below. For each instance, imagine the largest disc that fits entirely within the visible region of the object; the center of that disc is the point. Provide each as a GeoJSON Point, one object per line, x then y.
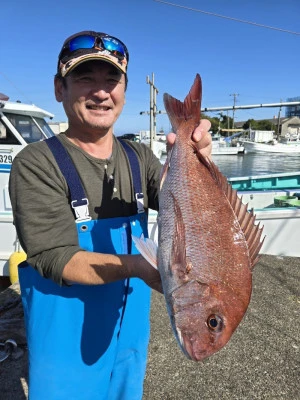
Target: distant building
{"type": "Point", "coordinates": [58, 127]}
{"type": "Point", "coordinates": [292, 111]}
{"type": "Point", "coordinates": [290, 127]}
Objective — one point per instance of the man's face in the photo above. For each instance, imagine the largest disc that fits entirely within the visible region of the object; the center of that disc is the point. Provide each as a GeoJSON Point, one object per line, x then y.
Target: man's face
{"type": "Point", "coordinates": [93, 97]}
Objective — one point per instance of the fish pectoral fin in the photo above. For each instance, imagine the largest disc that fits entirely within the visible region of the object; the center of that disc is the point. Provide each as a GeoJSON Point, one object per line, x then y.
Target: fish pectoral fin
{"type": "Point", "coordinates": [179, 260]}
{"type": "Point", "coordinates": [148, 249]}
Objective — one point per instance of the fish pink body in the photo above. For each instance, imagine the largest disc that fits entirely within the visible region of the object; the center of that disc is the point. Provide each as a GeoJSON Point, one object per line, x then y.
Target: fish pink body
{"type": "Point", "coordinates": [208, 242]}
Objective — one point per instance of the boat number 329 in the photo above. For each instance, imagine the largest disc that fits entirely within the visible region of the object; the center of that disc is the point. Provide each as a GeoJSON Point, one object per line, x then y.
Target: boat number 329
{"type": "Point", "coordinates": [5, 159]}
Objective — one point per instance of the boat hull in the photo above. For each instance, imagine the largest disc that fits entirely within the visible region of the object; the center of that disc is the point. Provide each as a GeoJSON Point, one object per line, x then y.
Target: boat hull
{"type": "Point", "coordinates": [253, 147]}
{"type": "Point", "coordinates": [227, 150]}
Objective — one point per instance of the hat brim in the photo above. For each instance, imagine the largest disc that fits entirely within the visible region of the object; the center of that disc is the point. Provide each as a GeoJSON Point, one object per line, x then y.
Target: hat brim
{"type": "Point", "coordinates": [67, 67]}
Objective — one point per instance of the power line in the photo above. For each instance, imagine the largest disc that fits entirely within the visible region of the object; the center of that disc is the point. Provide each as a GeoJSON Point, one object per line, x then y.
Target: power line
{"type": "Point", "coordinates": [230, 18]}
{"type": "Point", "coordinates": [18, 89]}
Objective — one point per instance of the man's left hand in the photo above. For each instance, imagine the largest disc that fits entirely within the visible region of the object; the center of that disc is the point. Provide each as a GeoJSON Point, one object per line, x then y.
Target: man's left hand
{"type": "Point", "coordinates": [201, 137]}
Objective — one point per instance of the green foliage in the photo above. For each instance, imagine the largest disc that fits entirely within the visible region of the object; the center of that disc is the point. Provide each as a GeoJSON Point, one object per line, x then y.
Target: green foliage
{"type": "Point", "coordinates": [225, 122]}
{"type": "Point", "coordinates": [261, 125]}
{"type": "Point", "coordinates": [218, 122]}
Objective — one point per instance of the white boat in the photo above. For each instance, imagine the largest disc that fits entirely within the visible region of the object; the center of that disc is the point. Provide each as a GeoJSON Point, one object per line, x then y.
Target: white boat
{"type": "Point", "coordinates": [270, 197]}
{"type": "Point", "coordinates": [220, 146]}
{"type": "Point", "coordinates": [158, 144]}
{"type": "Point", "coordinates": [265, 142]}
{"type": "Point", "coordinates": [20, 124]}
{"type": "Point", "coordinates": [288, 147]}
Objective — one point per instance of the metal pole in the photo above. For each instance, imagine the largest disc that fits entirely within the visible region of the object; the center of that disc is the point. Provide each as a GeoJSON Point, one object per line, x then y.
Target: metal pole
{"type": "Point", "coordinates": [154, 107]}
{"type": "Point", "coordinates": [278, 125]}
{"type": "Point", "coordinates": [151, 112]}
{"type": "Point", "coordinates": [233, 110]}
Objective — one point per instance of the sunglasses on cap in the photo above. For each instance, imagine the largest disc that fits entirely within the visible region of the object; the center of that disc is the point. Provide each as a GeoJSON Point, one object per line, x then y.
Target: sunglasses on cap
{"type": "Point", "coordinates": [97, 41]}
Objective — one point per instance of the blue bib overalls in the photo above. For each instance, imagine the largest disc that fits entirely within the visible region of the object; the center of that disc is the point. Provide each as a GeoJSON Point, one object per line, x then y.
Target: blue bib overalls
{"type": "Point", "coordinates": [88, 342]}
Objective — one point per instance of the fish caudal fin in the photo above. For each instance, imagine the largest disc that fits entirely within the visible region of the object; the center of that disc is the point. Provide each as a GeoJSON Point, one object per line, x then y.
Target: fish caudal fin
{"type": "Point", "coordinates": [147, 248]}
{"type": "Point", "coordinates": [190, 109]}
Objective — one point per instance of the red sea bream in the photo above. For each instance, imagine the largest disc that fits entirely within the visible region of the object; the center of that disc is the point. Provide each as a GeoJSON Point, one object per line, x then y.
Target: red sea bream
{"type": "Point", "coordinates": [208, 242]}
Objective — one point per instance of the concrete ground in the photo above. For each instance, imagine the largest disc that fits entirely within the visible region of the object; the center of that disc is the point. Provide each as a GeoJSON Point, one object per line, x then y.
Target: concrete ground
{"type": "Point", "coordinates": [261, 361]}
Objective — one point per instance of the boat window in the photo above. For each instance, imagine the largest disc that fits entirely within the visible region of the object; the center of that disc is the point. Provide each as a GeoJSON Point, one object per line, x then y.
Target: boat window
{"type": "Point", "coordinates": [6, 136]}
{"type": "Point", "coordinates": [30, 130]}
{"type": "Point", "coordinates": [44, 126]}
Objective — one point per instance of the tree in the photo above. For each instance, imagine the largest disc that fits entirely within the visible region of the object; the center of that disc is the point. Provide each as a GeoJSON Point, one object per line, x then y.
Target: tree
{"type": "Point", "coordinates": [216, 122]}
{"type": "Point", "coordinates": [261, 125]}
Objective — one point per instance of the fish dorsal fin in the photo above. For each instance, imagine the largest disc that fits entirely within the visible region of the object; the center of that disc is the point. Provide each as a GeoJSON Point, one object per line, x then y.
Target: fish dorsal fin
{"type": "Point", "coordinates": [245, 218]}
{"type": "Point", "coordinates": [189, 109]}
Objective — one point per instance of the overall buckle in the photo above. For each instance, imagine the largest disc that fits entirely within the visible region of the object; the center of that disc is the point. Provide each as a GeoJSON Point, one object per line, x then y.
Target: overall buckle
{"type": "Point", "coordinates": [140, 202]}
{"type": "Point", "coordinates": [81, 210]}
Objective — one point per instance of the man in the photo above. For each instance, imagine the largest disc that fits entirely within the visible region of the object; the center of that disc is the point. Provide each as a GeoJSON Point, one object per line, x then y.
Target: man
{"type": "Point", "coordinates": [85, 288]}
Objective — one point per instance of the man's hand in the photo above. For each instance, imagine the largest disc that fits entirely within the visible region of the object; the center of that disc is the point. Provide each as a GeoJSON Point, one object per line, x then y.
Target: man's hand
{"type": "Point", "coordinates": [201, 136]}
{"type": "Point", "coordinates": [143, 270]}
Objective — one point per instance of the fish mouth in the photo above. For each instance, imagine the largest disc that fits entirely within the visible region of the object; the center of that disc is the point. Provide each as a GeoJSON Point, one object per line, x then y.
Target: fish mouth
{"type": "Point", "coordinates": [187, 348]}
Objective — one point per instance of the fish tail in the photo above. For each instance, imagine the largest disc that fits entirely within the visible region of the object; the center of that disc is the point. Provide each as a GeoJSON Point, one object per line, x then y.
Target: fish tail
{"type": "Point", "coordinates": [190, 109]}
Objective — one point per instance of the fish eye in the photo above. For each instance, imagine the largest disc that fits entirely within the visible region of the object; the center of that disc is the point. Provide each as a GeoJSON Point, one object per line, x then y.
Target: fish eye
{"type": "Point", "coordinates": [215, 323]}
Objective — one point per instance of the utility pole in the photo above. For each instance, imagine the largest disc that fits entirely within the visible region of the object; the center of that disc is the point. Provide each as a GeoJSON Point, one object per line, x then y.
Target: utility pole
{"type": "Point", "coordinates": [278, 122]}
{"type": "Point", "coordinates": [234, 103]}
{"type": "Point", "coordinates": [153, 109]}
{"type": "Point", "coordinates": [153, 93]}
{"type": "Point", "coordinates": [219, 127]}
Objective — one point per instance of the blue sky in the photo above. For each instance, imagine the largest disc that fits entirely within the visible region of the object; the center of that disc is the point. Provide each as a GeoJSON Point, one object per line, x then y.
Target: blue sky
{"type": "Point", "coordinates": [261, 65]}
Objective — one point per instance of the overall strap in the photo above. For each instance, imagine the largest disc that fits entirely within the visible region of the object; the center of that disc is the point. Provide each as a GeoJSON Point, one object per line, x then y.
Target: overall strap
{"type": "Point", "coordinates": [79, 201]}
{"type": "Point", "coordinates": [136, 175]}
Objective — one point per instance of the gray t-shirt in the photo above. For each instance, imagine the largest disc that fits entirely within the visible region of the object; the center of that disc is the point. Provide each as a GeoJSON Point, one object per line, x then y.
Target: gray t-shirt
{"type": "Point", "coordinates": [40, 199]}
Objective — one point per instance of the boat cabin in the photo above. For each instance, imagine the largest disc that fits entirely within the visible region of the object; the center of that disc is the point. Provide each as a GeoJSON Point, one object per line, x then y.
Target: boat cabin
{"type": "Point", "coordinates": [20, 124]}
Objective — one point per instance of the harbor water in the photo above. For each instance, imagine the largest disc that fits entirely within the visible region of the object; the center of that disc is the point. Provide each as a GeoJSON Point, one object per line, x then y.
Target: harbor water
{"type": "Point", "coordinates": [252, 164]}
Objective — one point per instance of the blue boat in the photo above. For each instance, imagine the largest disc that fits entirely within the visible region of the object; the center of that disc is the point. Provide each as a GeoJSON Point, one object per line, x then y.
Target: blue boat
{"type": "Point", "coordinates": [283, 181]}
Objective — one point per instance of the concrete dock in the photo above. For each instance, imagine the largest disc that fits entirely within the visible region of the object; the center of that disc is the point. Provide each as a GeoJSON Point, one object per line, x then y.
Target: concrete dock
{"type": "Point", "coordinates": [261, 361]}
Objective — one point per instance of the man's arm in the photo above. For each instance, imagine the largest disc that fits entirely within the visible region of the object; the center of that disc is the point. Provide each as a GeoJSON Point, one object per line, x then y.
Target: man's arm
{"type": "Point", "coordinates": [96, 269]}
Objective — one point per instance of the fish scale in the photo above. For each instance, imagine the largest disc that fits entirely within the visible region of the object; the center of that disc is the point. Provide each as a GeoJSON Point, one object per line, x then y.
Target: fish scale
{"type": "Point", "coordinates": [191, 200]}
{"type": "Point", "coordinates": [208, 243]}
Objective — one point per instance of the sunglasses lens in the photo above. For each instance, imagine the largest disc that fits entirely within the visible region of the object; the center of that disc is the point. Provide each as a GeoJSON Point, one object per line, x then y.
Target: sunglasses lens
{"type": "Point", "coordinates": [82, 42]}
{"type": "Point", "coordinates": [113, 44]}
